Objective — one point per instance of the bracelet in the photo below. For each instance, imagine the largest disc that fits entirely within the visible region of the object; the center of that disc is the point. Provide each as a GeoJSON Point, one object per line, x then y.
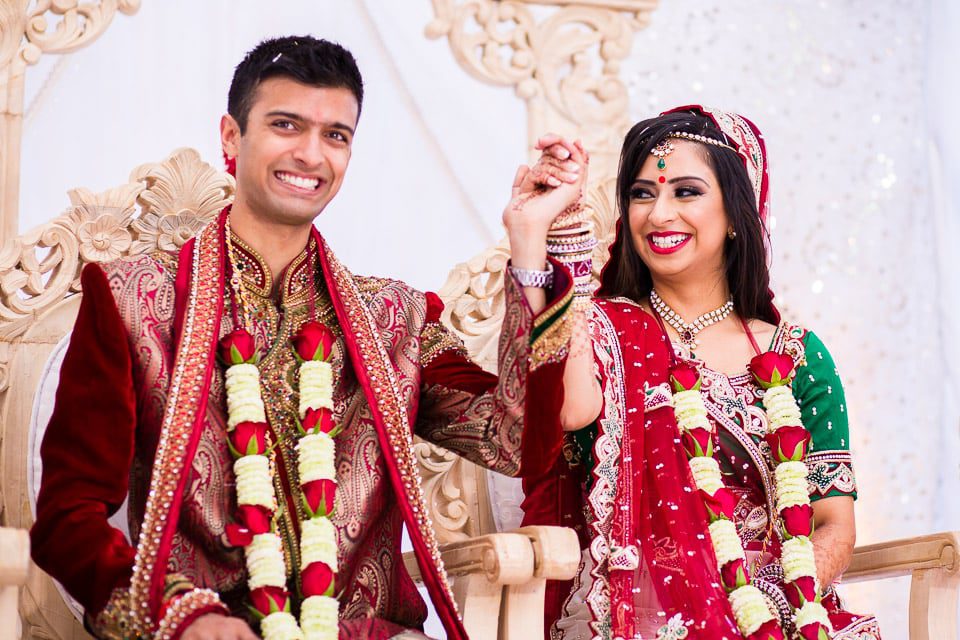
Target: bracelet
{"type": "Point", "coordinates": [533, 278]}
{"type": "Point", "coordinates": [185, 606]}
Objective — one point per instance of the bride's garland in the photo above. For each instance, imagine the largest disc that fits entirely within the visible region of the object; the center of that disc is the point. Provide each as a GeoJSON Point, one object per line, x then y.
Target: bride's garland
{"type": "Point", "coordinates": [256, 501]}
{"type": "Point", "coordinates": [788, 441]}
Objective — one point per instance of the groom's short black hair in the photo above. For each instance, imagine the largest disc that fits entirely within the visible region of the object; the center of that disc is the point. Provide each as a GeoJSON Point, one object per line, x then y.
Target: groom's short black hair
{"type": "Point", "coordinates": [306, 59]}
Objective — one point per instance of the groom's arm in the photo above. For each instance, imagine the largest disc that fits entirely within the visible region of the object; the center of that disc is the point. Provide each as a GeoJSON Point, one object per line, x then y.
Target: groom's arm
{"type": "Point", "coordinates": [492, 420]}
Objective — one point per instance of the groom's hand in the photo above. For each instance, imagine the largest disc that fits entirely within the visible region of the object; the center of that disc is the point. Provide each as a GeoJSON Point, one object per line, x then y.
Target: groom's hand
{"type": "Point", "coordinates": [216, 626]}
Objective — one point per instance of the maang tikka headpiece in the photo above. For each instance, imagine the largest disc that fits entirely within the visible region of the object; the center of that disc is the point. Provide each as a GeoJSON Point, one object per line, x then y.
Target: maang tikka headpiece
{"type": "Point", "coordinates": [665, 147]}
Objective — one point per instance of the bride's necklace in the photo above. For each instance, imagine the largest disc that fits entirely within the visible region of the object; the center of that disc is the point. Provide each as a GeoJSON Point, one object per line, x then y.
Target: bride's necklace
{"type": "Point", "coordinates": [687, 331]}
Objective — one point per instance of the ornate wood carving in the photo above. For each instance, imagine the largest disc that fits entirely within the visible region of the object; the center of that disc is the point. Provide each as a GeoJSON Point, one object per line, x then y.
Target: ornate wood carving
{"type": "Point", "coordinates": [27, 31]}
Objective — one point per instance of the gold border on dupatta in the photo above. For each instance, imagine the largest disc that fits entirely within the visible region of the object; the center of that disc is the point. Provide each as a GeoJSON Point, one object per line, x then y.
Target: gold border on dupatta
{"type": "Point", "coordinates": [389, 400]}
{"type": "Point", "coordinates": [200, 322]}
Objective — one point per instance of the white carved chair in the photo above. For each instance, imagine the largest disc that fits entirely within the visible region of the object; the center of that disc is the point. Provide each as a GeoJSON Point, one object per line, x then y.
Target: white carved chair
{"type": "Point", "coordinates": [498, 578]}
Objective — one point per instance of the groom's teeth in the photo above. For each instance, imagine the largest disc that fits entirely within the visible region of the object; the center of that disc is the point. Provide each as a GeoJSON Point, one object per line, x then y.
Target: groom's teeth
{"type": "Point", "coordinates": [297, 181]}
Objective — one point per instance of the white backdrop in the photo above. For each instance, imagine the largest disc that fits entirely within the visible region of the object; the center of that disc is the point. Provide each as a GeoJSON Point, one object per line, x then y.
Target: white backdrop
{"type": "Point", "coordinates": [855, 99]}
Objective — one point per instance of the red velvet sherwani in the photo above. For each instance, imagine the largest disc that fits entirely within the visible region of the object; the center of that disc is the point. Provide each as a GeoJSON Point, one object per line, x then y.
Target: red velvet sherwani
{"type": "Point", "coordinates": [141, 414]}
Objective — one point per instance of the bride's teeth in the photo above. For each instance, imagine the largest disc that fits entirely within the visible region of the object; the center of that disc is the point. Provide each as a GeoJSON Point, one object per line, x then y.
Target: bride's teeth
{"type": "Point", "coordinates": [667, 242]}
{"type": "Point", "coordinates": [297, 181]}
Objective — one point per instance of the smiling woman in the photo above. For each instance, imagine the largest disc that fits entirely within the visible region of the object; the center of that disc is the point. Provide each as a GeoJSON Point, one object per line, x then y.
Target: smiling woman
{"type": "Point", "coordinates": [721, 453]}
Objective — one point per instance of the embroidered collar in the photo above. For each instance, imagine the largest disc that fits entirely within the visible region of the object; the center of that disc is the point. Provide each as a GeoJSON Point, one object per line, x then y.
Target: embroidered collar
{"type": "Point", "coordinates": [294, 279]}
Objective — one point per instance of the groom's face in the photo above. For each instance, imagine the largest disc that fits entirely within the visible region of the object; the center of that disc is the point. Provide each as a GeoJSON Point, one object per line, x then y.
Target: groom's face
{"type": "Point", "coordinates": [294, 153]}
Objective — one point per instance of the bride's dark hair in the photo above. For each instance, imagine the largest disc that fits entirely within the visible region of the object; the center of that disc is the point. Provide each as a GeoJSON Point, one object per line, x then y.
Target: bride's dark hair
{"type": "Point", "coordinates": [745, 256]}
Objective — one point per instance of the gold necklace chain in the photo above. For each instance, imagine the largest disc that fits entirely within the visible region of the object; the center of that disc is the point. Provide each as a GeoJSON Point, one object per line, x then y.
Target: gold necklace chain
{"type": "Point", "coordinates": [687, 331]}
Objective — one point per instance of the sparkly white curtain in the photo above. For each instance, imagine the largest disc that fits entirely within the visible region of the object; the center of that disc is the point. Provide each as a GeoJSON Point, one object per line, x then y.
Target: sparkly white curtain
{"type": "Point", "coordinates": [860, 124]}
{"type": "Point", "coordinates": [856, 100]}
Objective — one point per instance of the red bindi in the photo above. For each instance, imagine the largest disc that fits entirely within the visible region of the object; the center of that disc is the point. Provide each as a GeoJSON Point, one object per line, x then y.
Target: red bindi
{"type": "Point", "coordinates": [662, 179]}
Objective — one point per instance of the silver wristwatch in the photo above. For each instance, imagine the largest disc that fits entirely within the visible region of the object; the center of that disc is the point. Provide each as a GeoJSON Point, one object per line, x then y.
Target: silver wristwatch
{"type": "Point", "coordinates": [534, 278]}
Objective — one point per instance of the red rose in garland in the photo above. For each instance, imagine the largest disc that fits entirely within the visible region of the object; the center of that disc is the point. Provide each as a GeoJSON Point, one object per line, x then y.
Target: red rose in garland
{"type": "Point", "coordinates": [769, 630]}
{"type": "Point", "coordinates": [251, 520]}
{"type": "Point", "coordinates": [797, 520]}
{"type": "Point", "coordinates": [238, 347]}
{"type": "Point", "coordinates": [319, 420]}
{"type": "Point", "coordinates": [721, 504]}
{"type": "Point", "coordinates": [317, 580]}
{"type": "Point", "coordinates": [734, 574]}
{"type": "Point", "coordinates": [267, 600]}
{"type": "Point", "coordinates": [314, 341]}
{"type": "Point", "coordinates": [789, 443]}
{"type": "Point", "coordinates": [684, 377]}
{"type": "Point", "coordinates": [801, 590]}
{"type": "Point", "coordinates": [318, 497]}
{"type": "Point", "coordinates": [697, 442]}
{"type": "Point", "coordinates": [772, 369]}
{"type": "Point", "coordinates": [814, 631]}
{"type": "Point", "coordinates": [249, 438]}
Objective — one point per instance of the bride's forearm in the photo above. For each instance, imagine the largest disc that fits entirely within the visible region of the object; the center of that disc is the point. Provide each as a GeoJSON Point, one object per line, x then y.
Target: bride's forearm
{"type": "Point", "coordinates": [582, 396]}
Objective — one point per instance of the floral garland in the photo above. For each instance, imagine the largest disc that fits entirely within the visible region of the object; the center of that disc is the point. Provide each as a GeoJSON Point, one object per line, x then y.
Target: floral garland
{"type": "Point", "coordinates": [247, 429]}
{"type": "Point", "coordinates": [789, 442]}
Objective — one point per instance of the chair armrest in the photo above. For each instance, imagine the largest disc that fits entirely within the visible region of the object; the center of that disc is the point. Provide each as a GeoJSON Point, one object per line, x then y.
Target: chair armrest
{"type": "Point", "coordinates": [903, 557]}
{"type": "Point", "coordinates": [504, 558]}
{"type": "Point", "coordinates": [14, 556]}
{"type": "Point", "coordinates": [14, 566]}
{"type": "Point", "coordinates": [556, 551]}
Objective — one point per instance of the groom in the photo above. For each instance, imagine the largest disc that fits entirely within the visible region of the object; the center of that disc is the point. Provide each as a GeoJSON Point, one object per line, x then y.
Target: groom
{"type": "Point", "coordinates": [141, 412]}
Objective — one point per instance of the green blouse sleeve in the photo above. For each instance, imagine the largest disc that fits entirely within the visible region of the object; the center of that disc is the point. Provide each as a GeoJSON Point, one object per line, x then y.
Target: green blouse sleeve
{"type": "Point", "coordinates": [823, 407]}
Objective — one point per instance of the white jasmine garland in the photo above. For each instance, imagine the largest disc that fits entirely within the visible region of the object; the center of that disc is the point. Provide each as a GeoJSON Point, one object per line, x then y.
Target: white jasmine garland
{"type": "Point", "coordinates": [792, 492]}
{"type": "Point", "coordinates": [706, 473]}
{"type": "Point", "coordinates": [812, 612]}
{"type": "Point", "coordinates": [281, 625]}
{"type": "Point", "coordinates": [782, 409]}
{"type": "Point", "coordinates": [316, 386]}
{"type": "Point", "coordinates": [319, 618]}
{"type": "Point", "coordinates": [797, 559]}
{"type": "Point", "coordinates": [316, 457]}
{"type": "Point", "coordinates": [749, 608]}
{"type": "Point", "coordinates": [726, 542]}
{"type": "Point", "coordinates": [318, 543]}
{"type": "Point", "coordinates": [265, 562]}
{"type": "Point", "coordinates": [254, 486]}
{"type": "Point", "coordinates": [244, 403]}
{"type": "Point", "coordinates": [690, 411]}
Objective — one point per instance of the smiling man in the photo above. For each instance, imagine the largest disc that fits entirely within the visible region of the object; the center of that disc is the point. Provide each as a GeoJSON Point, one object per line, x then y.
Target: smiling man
{"type": "Point", "coordinates": [254, 402]}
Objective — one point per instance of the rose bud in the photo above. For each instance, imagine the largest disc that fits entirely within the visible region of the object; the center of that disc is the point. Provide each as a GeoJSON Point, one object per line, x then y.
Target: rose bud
{"type": "Point", "coordinates": [238, 347]}
{"type": "Point", "coordinates": [317, 580]}
{"type": "Point", "coordinates": [314, 341]}
{"type": "Point", "coordinates": [789, 443]}
{"type": "Point", "coordinates": [814, 631]}
{"type": "Point", "coordinates": [254, 517]}
{"type": "Point", "coordinates": [318, 496]}
{"type": "Point", "coordinates": [721, 504]}
{"type": "Point", "coordinates": [249, 438]}
{"type": "Point", "coordinates": [734, 574]}
{"type": "Point", "coordinates": [267, 600]}
{"type": "Point", "coordinates": [771, 369]}
{"type": "Point", "coordinates": [797, 521]}
{"type": "Point", "coordinates": [803, 589]}
{"type": "Point", "coordinates": [769, 630]}
{"type": "Point", "coordinates": [319, 420]}
{"type": "Point", "coordinates": [251, 520]}
{"type": "Point", "coordinates": [685, 377]}
{"type": "Point", "coordinates": [698, 442]}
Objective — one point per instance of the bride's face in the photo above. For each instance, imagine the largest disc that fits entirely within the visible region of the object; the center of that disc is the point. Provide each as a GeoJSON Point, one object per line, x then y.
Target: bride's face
{"type": "Point", "coordinates": [677, 219]}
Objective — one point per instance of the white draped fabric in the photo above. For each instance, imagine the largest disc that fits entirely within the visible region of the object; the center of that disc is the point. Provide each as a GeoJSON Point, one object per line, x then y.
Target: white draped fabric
{"type": "Point", "coordinates": [856, 100]}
